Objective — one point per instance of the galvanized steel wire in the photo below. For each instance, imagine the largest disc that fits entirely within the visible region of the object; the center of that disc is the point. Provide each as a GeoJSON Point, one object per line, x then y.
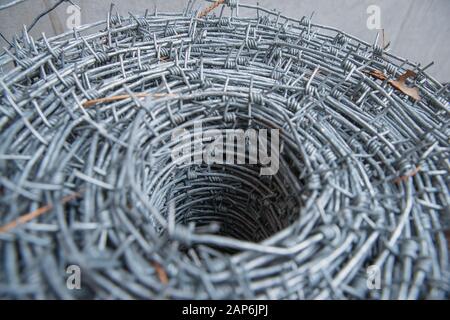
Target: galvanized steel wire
{"type": "Point", "coordinates": [363, 178]}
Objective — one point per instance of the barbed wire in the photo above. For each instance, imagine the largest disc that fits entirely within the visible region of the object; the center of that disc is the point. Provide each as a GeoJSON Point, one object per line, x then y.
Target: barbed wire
{"type": "Point", "coordinates": [86, 120]}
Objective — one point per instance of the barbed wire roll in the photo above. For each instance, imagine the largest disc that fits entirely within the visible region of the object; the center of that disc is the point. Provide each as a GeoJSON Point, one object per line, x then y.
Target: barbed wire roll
{"type": "Point", "coordinates": [87, 179]}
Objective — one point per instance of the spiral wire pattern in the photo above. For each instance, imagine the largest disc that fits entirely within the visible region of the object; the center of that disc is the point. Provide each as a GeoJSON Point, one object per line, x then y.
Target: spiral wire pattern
{"type": "Point", "coordinates": [86, 120]}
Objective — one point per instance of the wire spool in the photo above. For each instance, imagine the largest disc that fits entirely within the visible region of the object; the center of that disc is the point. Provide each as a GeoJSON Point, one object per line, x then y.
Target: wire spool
{"type": "Point", "coordinates": [87, 178]}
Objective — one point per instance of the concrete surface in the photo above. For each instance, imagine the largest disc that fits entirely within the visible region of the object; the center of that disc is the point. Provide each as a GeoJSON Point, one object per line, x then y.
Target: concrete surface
{"type": "Point", "coordinates": [418, 29]}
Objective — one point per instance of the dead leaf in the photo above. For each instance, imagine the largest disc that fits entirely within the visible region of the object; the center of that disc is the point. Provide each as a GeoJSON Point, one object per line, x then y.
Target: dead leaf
{"type": "Point", "coordinates": [90, 103]}
{"type": "Point", "coordinates": [409, 175]}
{"type": "Point", "coordinates": [400, 83]}
{"type": "Point", "coordinates": [161, 273]}
{"type": "Point", "coordinates": [377, 74]}
{"type": "Point", "coordinates": [210, 8]}
{"type": "Point", "coordinates": [36, 213]}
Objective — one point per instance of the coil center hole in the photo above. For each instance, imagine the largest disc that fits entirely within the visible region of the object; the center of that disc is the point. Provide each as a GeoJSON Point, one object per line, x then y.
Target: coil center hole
{"type": "Point", "coordinates": [235, 200]}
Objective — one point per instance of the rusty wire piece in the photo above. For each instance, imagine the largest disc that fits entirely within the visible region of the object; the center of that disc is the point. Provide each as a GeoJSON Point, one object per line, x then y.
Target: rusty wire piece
{"type": "Point", "coordinates": [363, 177]}
{"type": "Point", "coordinates": [210, 8]}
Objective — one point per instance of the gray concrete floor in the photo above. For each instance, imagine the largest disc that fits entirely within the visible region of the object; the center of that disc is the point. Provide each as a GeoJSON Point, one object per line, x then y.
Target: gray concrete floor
{"type": "Point", "coordinates": [418, 29]}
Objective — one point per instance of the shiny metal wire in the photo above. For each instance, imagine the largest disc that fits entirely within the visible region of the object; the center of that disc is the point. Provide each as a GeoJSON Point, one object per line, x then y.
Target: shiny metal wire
{"type": "Point", "coordinates": [363, 178]}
